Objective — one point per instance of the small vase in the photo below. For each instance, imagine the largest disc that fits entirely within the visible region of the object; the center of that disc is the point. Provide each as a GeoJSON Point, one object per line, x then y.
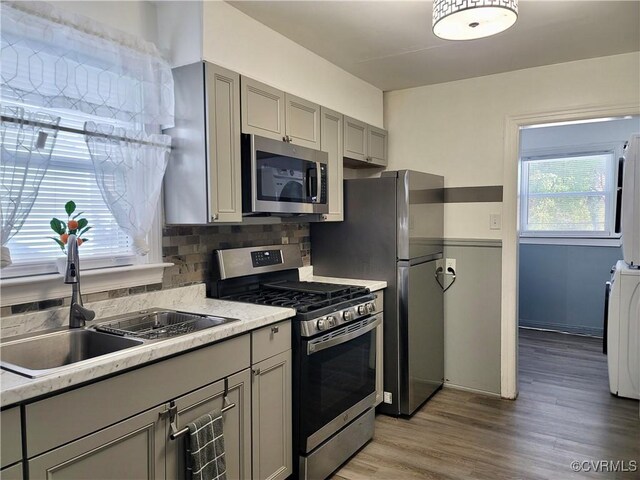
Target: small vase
{"type": "Point", "coordinates": [61, 263]}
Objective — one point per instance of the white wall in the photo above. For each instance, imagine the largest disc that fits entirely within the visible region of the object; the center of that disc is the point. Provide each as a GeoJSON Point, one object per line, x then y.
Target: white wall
{"type": "Point", "coordinates": [456, 129]}
{"type": "Point", "coordinates": [221, 34]}
{"type": "Point", "coordinates": [236, 41]}
{"type": "Point", "coordinates": [134, 17]}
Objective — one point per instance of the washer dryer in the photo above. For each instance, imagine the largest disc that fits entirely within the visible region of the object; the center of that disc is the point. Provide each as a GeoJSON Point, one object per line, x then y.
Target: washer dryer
{"type": "Point", "coordinates": [623, 331]}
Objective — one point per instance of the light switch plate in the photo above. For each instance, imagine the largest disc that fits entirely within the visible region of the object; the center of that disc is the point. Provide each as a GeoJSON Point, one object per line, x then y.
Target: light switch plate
{"type": "Point", "coordinates": [495, 221]}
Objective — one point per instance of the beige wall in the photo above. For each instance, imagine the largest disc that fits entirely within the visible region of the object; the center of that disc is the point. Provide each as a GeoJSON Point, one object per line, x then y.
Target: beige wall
{"type": "Point", "coordinates": [236, 41]}
{"type": "Point", "coordinates": [456, 129]}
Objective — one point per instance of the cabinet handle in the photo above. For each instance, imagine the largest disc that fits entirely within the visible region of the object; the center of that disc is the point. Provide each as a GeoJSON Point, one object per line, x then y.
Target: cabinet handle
{"type": "Point", "coordinates": [284, 139]}
{"type": "Point", "coordinates": [275, 329]}
{"type": "Point", "coordinates": [256, 371]}
{"type": "Point", "coordinates": [214, 216]}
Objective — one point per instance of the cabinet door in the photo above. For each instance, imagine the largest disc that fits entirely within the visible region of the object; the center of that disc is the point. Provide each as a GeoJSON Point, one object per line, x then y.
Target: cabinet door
{"type": "Point", "coordinates": [10, 436]}
{"type": "Point", "coordinates": [132, 449]}
{"type": "Point", "coordinates": [12, 473]}
{"type": "Point", "coordinates": [331, 135]}
{"type": "Point", "coordinates": [223, 144]}
{"type": "Point", "coordinates": [236, 425]}
{"type": "Point", "coordinates": [262, 109]}
{"type": "Point", "coordinates": [377, 146]}
{"type": "Point", "coordinates": [271, 394]}
{"type": "Point", "coordinates": [302, 122]}
{"type": "Point", "coordinates": [355, 139]}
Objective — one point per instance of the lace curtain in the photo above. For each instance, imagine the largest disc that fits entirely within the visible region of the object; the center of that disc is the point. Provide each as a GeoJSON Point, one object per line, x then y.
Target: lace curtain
{"type": "Point", "coordinates": [57, 61]}
{"type": "Point", "coordinates": [26, 150]}
{"type": "Point", "coordinates": [129, 168]}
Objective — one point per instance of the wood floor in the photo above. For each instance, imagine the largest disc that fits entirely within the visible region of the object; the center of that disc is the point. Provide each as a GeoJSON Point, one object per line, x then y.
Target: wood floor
{"type": "Point", "coordinates": [564, 413]}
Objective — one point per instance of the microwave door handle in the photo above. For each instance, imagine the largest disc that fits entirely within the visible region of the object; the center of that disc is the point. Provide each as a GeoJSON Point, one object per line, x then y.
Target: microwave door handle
{"type": "Point", "coordinates": [332, 342]}
{"type": "Point", "coordinates": [307, 182]}
{"type": "Point", "coordinates": [318, 182]}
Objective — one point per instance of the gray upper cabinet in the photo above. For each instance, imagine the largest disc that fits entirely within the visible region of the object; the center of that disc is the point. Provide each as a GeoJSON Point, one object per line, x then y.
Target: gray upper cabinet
{"type": "Point", "coordinates": [263, 109]}
{"type": "Point", "coordinates": [364, 145]}
{"type": "Point", "coordinates": [355, 139]}
{"type": "Point", "coordinates": [302, 122]}
{"type": "Point", "coordinates": [272, 113]}
{"type": "Point", "coordinates": [332, 143]}
{"type": "Point", "coordinates": [377, 146]}
{"type": "Point", "coordinates": [203, 179]}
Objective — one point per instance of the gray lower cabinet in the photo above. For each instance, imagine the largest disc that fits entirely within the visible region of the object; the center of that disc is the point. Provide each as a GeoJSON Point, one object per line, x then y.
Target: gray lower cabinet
{"type": "Point", "coordinates": [236, 425]}
{"type": "Point", "coordinates": [364, 145]}
{"type": "Point", "coordinates": [12, 473]}
{"type": "Point", "coordinates": [132, 449]}
{"type": "Point", "coordinates": [203, 181]}
{"type": "Point", "coordinates": [271, 421]}
{"type": "Point", "coordinates": [263, 109]}
{"type": "Point", "coordinates": [10, 437]}
{"type": "Point", "coordinates": [332, 143]}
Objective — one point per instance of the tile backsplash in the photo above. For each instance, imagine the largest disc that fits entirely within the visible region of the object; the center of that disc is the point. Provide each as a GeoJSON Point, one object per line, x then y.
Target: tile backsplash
{"type": "Point", "coordinates": [190, 249]}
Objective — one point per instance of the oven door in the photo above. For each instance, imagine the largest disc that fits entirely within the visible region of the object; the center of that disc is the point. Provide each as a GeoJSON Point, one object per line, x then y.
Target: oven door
{"type": "Point", "coordinates": [338, 379]}
{"type": "Point", "coordinates": [287, 178]}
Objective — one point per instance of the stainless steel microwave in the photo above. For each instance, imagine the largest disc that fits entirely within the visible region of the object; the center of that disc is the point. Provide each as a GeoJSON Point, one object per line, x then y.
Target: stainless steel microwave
{"type": "Point", "coordinates": [281, 178]}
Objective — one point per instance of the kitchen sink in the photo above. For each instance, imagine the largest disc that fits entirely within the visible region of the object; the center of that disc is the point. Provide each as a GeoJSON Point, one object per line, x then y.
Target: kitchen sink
{"type": "Point", "coordinates": [159, 323]}
{"type": "Point", "coordinates": [46, 353]}
{"type": "Point", "coordinates": [43, 354]}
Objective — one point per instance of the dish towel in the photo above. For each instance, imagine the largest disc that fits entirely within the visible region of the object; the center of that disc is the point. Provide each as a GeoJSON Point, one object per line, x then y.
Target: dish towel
{"type": "Point", "coordinates": [206, 448]}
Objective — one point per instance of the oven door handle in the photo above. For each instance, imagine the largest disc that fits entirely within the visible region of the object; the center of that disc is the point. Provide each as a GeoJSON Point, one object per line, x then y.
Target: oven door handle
{"type": "Point", "coordinates": [332, 342]}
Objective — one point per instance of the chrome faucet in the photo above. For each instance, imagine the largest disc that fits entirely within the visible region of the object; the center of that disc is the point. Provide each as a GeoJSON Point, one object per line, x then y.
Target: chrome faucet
{"type": "Point", "coordinates": [78, 315]}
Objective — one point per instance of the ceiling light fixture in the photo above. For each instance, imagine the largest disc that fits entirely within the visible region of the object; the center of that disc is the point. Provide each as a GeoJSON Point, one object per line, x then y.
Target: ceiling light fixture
{"type": "Point", "coordinates": [471, 19]}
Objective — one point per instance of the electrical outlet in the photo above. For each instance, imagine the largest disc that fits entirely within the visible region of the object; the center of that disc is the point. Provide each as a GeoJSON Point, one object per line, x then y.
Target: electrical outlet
{"type": "Point", "coordinates": [440, 265]}
{"type": "Point", "coordinates": [495, 221]}
{"type": "Point", "coordinates": [450, 263]}
{"type": "Point", "coordinates": [387, 397]}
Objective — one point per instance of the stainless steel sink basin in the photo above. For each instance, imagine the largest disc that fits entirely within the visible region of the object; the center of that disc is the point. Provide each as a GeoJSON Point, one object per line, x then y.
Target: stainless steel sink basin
{"type": "Point", "coordinates": [160, 323]}
{"type": "Point", "coordinates": [41, 355]}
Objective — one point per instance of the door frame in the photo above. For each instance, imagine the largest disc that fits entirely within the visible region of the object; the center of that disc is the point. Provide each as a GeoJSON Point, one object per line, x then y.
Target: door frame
{"type": "Point", "coordinates": [510, 222]}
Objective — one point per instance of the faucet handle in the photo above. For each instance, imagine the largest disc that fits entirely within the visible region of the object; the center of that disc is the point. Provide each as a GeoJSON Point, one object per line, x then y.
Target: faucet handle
{"type": "Point", "coordinates": [85, 313]}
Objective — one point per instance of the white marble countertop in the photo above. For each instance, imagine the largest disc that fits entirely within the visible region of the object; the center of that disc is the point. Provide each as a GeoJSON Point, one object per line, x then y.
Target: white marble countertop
{"type": "Point", "coordinates": [16, 388]}
{"type": "Point", "coordinates": [306, 275]}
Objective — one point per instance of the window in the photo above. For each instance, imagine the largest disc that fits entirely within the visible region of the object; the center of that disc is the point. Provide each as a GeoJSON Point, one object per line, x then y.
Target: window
{"type": "Point", "coordinates": [113, 93]}
{"type": "Point", "coordinates": [568, 194]}
{"type": "Point", "coordinates": [70, 176]}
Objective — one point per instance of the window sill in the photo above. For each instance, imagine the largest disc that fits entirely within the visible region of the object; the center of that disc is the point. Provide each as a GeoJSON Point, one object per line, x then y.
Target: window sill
{"type": "Point", "coordinates": [576, 241]}
{"type": "Point", "coordinates": [48, 287]}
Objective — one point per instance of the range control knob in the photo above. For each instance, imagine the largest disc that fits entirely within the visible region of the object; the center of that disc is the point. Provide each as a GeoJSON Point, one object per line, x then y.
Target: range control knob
{"type": "Point", "coordinates": [362, 309]}
{"type": "Point", "coordinates": [371, 307]}
{"type": "Point", "coordinates": [332, 321]}
{"type": "Point", "coordinates": [347, 315]}
{"type": "Point", "coordinates": [322, 324]}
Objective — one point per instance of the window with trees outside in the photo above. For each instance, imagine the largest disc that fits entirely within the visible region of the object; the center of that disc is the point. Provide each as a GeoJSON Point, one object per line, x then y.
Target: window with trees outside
{"type": "Point", "coordinates": [568, 195]}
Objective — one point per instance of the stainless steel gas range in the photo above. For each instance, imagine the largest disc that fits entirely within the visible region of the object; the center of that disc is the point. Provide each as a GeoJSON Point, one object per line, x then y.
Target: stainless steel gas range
{"type": "Point", "coordinates": [334, 351]}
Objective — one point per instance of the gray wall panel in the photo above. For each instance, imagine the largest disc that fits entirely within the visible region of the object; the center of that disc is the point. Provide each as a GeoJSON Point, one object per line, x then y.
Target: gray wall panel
{"type": "Point", "coordinates": [472, 318]}
{"type": "Point", "coordinates": [562, 286]}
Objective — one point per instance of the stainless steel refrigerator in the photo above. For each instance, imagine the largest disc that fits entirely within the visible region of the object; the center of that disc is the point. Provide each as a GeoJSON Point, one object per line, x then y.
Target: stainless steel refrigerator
{"type": "Point", "coordinates": [393, 231]}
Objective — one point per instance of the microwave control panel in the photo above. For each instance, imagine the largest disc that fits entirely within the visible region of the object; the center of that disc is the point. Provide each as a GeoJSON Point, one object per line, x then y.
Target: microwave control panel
{"type": "Point", "coordinates": [265, 258]}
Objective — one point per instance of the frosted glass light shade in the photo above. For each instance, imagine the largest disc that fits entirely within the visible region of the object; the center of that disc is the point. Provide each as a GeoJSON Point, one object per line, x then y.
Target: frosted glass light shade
{"type": "Point", "coordinates": [470, 19]}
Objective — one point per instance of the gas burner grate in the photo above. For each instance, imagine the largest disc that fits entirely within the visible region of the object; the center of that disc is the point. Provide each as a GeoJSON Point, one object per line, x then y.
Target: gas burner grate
{"type": "Point", "coordinates": [305, 297]}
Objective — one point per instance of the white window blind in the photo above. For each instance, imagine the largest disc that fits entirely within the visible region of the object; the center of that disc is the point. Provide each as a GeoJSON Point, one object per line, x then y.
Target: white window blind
{"type": "Point", "coordinates": [568, 195]}
{"type": "Point", "coordinates": [70, 177]}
